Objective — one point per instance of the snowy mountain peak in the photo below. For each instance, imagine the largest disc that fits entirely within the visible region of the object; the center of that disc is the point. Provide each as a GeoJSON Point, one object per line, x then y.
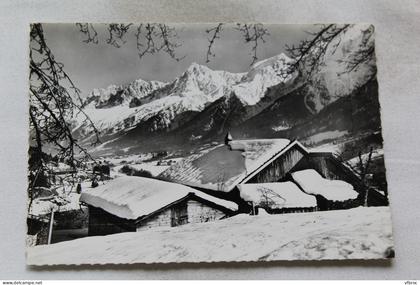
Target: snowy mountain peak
{"type": "Point", "coordinates": [156, 105]}
{"type": "Point", "coordinates": [261, 76]}
{"type": "Point", "coordinates": [201, 81]}
{"type": "Point", "coordinates": [141, 88]}
{"type": "Point", "coordinates": [194, 66]}
{"type": "Point", "coordinates": [115, 95]}
{"type": "Point", "coordinates": [280, 59]}
{"type": "Point", "coordinates": [197, 69]}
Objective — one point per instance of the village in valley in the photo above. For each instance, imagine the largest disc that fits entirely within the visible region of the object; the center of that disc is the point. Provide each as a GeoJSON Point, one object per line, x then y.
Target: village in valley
{"type": "Point", "coordinates": [219, 166]}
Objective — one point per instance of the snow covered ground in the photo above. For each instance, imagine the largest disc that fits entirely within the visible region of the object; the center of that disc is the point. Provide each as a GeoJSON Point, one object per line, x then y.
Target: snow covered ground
{"type": "Point", "coordinates": [375, 154]}
{"type": "Point", "coordinates": [139, 162]}
{"type": "Point", "coordinates": [151, 166]}
{"type": "Point", "coordinates": [332, 147]}
{"type": "Point", "coordinates": [320, 137]}
{"type": "Point", "coordinates": [360, 233]}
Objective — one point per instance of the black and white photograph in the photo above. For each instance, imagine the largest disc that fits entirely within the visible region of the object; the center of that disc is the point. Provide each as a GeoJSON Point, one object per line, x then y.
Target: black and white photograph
{"type": "Point", "coordinates": [216, 142]}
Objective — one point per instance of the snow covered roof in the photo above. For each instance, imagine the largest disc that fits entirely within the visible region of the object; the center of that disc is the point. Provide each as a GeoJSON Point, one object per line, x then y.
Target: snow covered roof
{"type": "Point", "coordinates": [281, 195]}
{"type": "Point", "coordinates": [313, 183]}
{"type": "Point", "coordinates": [131, 197]}
{"type": "Point", "coordinates": [222, 168]}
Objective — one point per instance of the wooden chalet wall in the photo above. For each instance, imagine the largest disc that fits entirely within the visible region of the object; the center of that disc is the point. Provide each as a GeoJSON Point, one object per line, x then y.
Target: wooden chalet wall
{"type": "Point", "coordinates": [277, 169]}
{"type": "Point", "coordinates": [200, 213]}
{"type": "Point", "coordinates": [163, 219]}
{"type": "Point", "coordinates": [188, 211]}
{"type": "Point", "coordinates": [191, 209]}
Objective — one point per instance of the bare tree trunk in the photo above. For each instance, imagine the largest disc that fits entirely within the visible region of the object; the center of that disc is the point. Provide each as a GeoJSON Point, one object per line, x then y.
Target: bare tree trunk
{"type": "Point", "coordinates": [366, 197]}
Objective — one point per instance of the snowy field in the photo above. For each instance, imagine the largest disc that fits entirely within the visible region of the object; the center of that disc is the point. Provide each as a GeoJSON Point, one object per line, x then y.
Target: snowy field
{"type": "Point", "coordinates": [137, 161]}
{"type": "Point", "coordinates": [151, 166]}
{"type": "Point", "coordinates": [360, 233]}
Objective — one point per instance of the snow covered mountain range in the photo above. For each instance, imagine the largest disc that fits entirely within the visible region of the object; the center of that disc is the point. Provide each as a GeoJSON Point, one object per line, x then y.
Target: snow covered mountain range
{"type": "Point", "coordinates": [159, 104]}
{"type": "Point", "coordinates": [115, 95]}
{"type": "Point", "coordinates": [202, 104]}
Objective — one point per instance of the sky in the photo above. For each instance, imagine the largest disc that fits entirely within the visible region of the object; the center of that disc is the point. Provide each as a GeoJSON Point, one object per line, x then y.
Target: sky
{"type": "Point", "coordinates": [100, 65]}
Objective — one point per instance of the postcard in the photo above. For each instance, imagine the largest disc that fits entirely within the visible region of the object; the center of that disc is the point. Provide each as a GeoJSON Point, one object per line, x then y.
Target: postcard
{"type": "Point", "coordinates": [216, 142]}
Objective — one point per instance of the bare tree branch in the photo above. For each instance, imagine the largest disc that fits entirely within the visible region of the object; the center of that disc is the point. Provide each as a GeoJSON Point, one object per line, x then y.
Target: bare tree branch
{"type": "Point", "coordinates": [117, 33]}
{"type": "Point", "coordinates": [149, 45]}
{"type": "Point", "coordinates": [269, 198]}
{"type": "Point", "coordinates": [253, 33]}
{"type": "Point", "coordinates": [309, 55]}
{"type": "Point", "coordinates": [89, 31]}
{"type": "Point", "coordinates": [364, 54]}
{"type": "Point", "coordinates": [153, 38]}
{"type": "Point", "coordinates": [53, 97]}
{"type": "Point", "coordinates": [215, 35]}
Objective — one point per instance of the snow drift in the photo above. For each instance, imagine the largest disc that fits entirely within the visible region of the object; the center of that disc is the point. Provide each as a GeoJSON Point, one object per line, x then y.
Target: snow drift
{"type": "Point", "coordinates": [360, 233]}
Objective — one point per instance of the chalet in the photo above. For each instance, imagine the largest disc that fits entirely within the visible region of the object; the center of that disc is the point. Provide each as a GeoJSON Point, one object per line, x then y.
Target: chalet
{"type": "Point", "coordinates": [220, 170]}
{"type": "Point", "coordinates": [131, 203]}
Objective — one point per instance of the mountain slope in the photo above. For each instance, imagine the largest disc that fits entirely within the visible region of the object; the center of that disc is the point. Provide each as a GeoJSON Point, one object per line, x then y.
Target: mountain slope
{"type": "Point", "coordinates": [201, 105]}
{"type": "Point", "coordinates": [166, 107]}
{"type": "Point", "coordinates": [335, 79]}
{"type": "Point", "coordinates": [288, 116]}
